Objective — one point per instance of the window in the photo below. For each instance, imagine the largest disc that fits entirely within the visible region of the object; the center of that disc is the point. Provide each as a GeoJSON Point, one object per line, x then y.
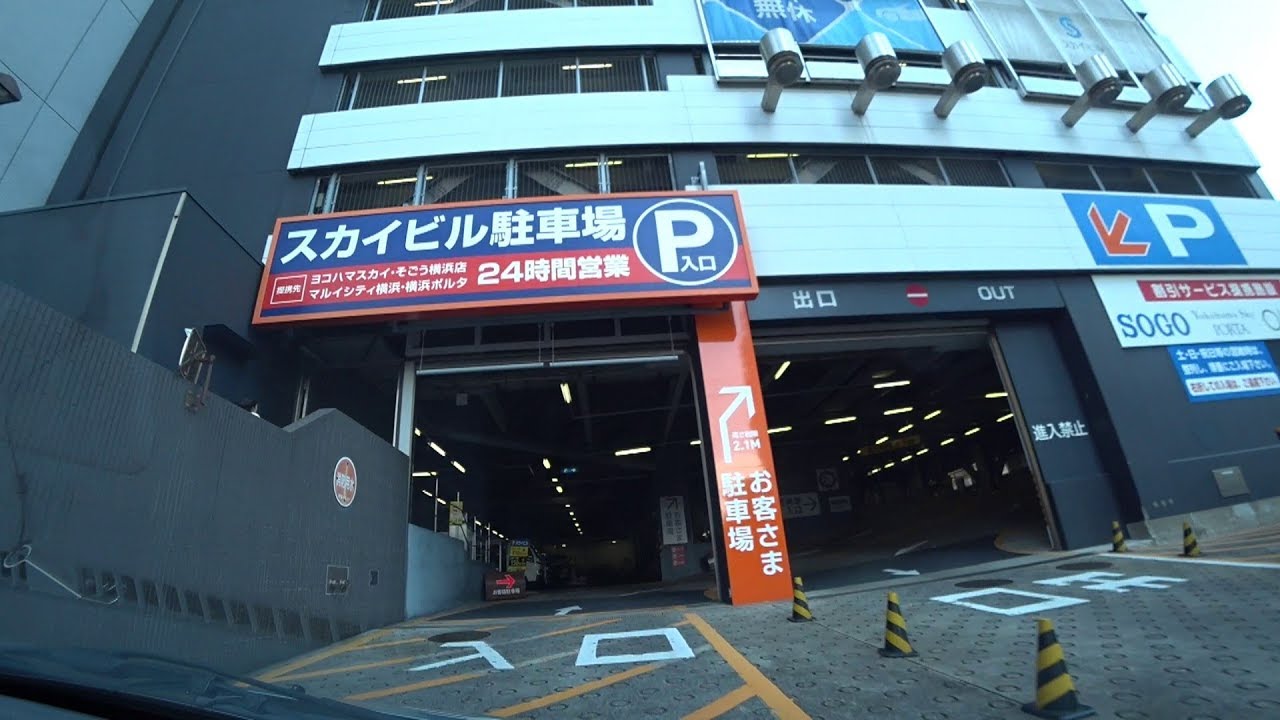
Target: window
{"type": "Point", "coordinates": [1226, 184]}
{"type": "Point", "coordinates": [984, 172]}
{"type": "Point", "coordinates": [907, 171]}
{"type": "Point", "coordinates": [559, 176]}
{"type": "Point", "coordinates": [380, 188]}
{"type": "Point", "coordinates": [1175, 182]}
{"type": "Point", "coordinates": [830, 170]}
{"type": "Point", "coordinates": [1122, 179]}
{"type": "Point", "coordinates": [392, 9]}
{"type": "Point", "coordinates": [1063, 176]}
{"type": "Point", "coordinates": [639, 173]}
{"type": "Point", "coordinates": [464, 182]}
{"type": "Point", "coordinates": [494, 77]}
{"type": "Point", "coordinates": [755, 168]}
{"type": "Point", "coordinates": [848, 169]}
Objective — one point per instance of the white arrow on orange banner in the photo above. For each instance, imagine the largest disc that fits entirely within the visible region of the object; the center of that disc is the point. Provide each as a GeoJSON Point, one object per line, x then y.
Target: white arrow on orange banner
{"type": "Point", "coordinates": [744, 394]}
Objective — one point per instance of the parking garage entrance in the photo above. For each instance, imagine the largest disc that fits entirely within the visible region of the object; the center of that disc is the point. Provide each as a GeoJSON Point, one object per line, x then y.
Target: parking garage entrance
{"type": "Point", "coordinates": [896, 448]}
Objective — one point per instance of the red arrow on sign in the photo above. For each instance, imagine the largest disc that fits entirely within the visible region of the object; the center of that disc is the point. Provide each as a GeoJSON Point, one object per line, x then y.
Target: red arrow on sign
{"type": "Point", "coordinates": [917, 295]}
{"type": "Point", "coordinates": [1113, 237]}
{"type": "Point", "coordinates": [506, 581]}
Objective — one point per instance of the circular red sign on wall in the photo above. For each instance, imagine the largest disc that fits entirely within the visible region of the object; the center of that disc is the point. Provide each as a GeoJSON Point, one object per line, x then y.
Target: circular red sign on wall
{"type": "Point", "coordinates": [917, 295]}
{"type": "Point", "coordinates": [344, 482]}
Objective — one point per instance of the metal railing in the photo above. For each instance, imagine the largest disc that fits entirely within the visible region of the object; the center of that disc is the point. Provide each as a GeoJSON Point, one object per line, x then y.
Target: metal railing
{"type": "Point", "coordinates": [432, 183]}
{"type": "Point", "coordinates": [498, 77]}
{"type": "Point", "coordinates": [392, 9]}
{"type": "Point", "coordinates": [1143, 179]}
{"type": "Point", "coordinates": [850, 169]}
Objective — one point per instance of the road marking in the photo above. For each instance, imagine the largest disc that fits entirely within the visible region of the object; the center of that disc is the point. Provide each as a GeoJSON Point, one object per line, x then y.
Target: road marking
{"type": "Point", "coordinates": [1112, 582]}
{"type": "Point", "coordinates": [1198, 561]}
{"type": "Point", "coordinates": [324, 654]}
{"type": "Point", "coordinates": [575, 628]}
{"type": "Point", "coordinates": [1047, 602]}
{"type": "Point", "coordinates": [409, 641]}
{"type": "Point", "coordinates": [567, 610]}
{"type": "Point", "coordinates": [721, 705]}
{"type": "Point", "coordinates": [572, 692]}
{"type": "Point", "coordinates": [483, 651]}
{"type": "Point", "coordinates": [902, 573]}
{"type": "Point", "coordinates": [588, 654]}
{"type": "Point", "coordinates": [782, 706]}
{"type": "Point", "coordinates": [911, 548]}
{"type": "Point", "coordinates": [399, 689]}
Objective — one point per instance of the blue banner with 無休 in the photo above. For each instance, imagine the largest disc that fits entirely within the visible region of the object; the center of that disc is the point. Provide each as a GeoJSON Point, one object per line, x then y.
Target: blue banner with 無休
{"type": "Point", "coordinates": [823, 22]}
{"type": "Point", "coordinates": [1225, 371]}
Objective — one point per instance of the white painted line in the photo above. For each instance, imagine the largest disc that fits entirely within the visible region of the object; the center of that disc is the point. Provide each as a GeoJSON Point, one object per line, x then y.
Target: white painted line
{"type": "Point", "coordinates": [911, 548]}
{"type": "Point", "coordinates": [482, 652]}
{"type": "Point", "coordinates": [1048, 602]}
{"type": "Point", "coordinates": [901, 573]}
{"type": "Point", "coordinates": [1198, 561]}
{"type": "Point", "coordinates": [588, 654]}
{"type": "Point", "coordinates": [1113, 582]}
{"type": "Point", "coordinates": [567, 610]}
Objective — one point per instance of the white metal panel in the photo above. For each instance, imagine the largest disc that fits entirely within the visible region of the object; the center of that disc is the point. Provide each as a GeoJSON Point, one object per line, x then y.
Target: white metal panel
{"type": "Point", "coordinates": [665, 23]}
{"type": "Point", "coordinates": [843, 229]}
{"type": "Point", "coordinates": [696, 110]}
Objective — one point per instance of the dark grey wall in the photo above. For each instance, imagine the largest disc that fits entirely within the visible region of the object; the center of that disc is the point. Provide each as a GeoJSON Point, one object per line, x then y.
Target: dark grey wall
{"type": "Point", "coordinates": [216, 108]}
{"type": "Point", "coordinates": [92, 261]}
{"type": "Point", "coordinates": [1079, 487]}
{"type": "Point", "coordinates": [211, 518]}
{"type": "Point", "coordinates": [1172, 445]}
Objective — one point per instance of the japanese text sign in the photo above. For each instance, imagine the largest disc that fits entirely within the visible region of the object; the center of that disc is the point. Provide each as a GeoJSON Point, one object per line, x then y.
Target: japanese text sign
{"type": "Point", "coordinates": [563, 251]}
{"type": "Point", "coordinates": [674, 529]}
{"type": "Point", "coordinates": [1150, 311]}
{"type": "Point", "coordinates": [1225, 371]}
{"type": "Point", "coordinates": [750, 509]}
{"type": "Point", "coordinates": [822, 22]}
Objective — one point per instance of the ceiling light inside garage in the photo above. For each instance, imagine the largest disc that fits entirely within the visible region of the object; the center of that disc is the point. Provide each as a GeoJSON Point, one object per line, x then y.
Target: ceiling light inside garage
{"type": "Point", "coordinates": [546, 463]}
{"type": "Point", "coordinates": [933, 415]}
{"type": "Point", "coordinates": [458, 465]}
{"type": "Point", "coordinates": [439, 450]}
{"type": "Point", "coordinates": [564, 393]}
{"type": "Point", "coordinates": [882, 440]}
{"type": "Point", "coordinates": [398, 181]}
{"type": "Point", "coordinates": [972, 431]}
{"type": "Point", "coordinates": [632, 451]}
{"type": "Point", "coordinates": [587, 66]}
{"type": "Point", "coordinates": [946, 442]}
{"type": "Point", "coordinates": [839, 420]}
{"type": "Point", "coordinates": [898, 411]}
{"type": "Point", "coordinates": [777, 375]}
{"type": "Point", "coordinates": [784, 428]}
{"type": "Point", "coordinates": [891, 384]}
{"type": "Point", "coordinates": [695, 442]}
{"type": "Point", "coordinates": [995, 395]}
{"type": "Point", "coordinates": [769, 156]}
{"type": "Point", "coordinates": [1002, 418]}
{"type": "Point", "coordinates": [906, 427]}
{"type": "Point", "coordinates": [559, 488]}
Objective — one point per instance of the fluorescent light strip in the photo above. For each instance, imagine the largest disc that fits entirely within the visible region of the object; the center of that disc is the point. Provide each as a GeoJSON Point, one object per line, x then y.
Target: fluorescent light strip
{"type": "Point", "coordinates": [933, 415]}
{"type": "Point", "coordinates": [695, 442]}
{"type": "Point", "coordinates": [777, 375]}
{"type": "Point", "coordinates": [546, 463]}
{"type": "Point", "coordinates": [559, 489]}
{"type": "Point", "coordinates": [439, 450]}
{"type": "Point", "coordinates": [417, 432]}
{"type": "Point", "coordinates": [441, 501]}
{"type": "Point", "coordinates": [972, 431]}
{"type": "Point", "coordinates": [1002, 418]}
{"type": "Point", "coordinates": [632, 451]}
{"type": "Point", "coordinates": [883, 440]}
{"type": "Point", "coordinates": [908, 457]}
{"type": "Point", "coordinates": [784, 428]}
{"type": "Point", "coordinates": [906, 427]}
{"type": "Point", "coordinates": [922, 452]}
{"type": "Point", "coordinates": [839, 420]}
{"type": "Point", "coordinates": [398, 181]}
{"type": "Point", "coordinates": [891, 384]}
{"type": "Point", "coordinates": [946, 442]}
{"type": "Point", "coordinates": [898, 411]}
{"type": "Point", "coordinates": [564, 393]}
{"type": "Point", "coordinates": [995, 395]}
{"type": "Point", "coordinates": [424, 473]}
{"type": "Point", "coordinates": [845, 458]}
{"type": "Point", "coordinates": [427, 493]}
{"type": "Point", "coordinates": [889, 465]}
{"type": "Point", "coordinates": [769, 156]}
{"type": "Point", "coordinates": [587, 66]}
{"type": "Point", "coordinates": [458, 465]}
{"type": "Point", "coordinates": [591, 163]}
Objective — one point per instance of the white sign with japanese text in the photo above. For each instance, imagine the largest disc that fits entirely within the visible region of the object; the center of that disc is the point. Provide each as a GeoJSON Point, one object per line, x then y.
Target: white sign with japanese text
{"type": "Point", "coordinates": [1152, 311]}
{"type": "Point", "coordinates": [674, 529]}
{"type": "Point", "coordinates": [801, 505]}
{"type": "Point", "coordinates": [1059, 430]}
{"type": "Point", "coordinates": [751, 515]}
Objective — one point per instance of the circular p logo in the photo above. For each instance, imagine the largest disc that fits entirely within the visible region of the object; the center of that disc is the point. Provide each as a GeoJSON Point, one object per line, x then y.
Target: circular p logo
{"type": "Point", "coordinates": [685, 241]}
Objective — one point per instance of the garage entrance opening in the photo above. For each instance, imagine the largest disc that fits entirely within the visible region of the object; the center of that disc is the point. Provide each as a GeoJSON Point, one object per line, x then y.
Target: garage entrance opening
{"type": "Point", "coordinates": [897, 451]}
{"type": "Point", "coordinates": [567, 458]}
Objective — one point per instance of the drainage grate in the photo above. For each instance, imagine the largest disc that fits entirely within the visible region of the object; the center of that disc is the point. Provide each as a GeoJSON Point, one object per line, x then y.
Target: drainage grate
{"type": "Point", "coordinates": [1090, 565]}
{"type": "Point", "coordinates": [984, 583]}
{"type": "Point", "coordinates": [459, 636]}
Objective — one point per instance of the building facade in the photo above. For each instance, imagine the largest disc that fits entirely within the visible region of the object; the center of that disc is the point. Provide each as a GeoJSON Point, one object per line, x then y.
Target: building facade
{"type": "Point", "coordinates": [1123, 272]}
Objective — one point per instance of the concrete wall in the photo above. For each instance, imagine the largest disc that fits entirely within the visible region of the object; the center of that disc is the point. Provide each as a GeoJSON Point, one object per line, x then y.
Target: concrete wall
{"type": "Point", "coordinates": [439, 574]}
{"type": "Point", "coordinates": [62, 55]}
{"type": "Point", "coordinates": [199, 520]}
{"type": "Point", "coordinates": [1170, 444]}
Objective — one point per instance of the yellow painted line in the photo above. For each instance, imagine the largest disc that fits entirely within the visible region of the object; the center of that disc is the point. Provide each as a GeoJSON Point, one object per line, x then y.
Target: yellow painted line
{"type": "Point", "coordinates": [401, 689]}
{"type": "Point", "coordinates": [572, 692]}
{"type": "Point", "coordinates": [575, 628]}
{"type": "Point", "coordinates": [781, 705]}
{"type": "Point", "coordinates": [721, 705]}
{"type": "Point", "coordinates": [331, 651]}
{"type": "Point", "coordinates": [348, 669]}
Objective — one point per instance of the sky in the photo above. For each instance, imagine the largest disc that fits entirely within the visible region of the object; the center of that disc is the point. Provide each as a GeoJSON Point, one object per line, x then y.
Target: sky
{"type": "Point", "coordinates": [1236, 37]}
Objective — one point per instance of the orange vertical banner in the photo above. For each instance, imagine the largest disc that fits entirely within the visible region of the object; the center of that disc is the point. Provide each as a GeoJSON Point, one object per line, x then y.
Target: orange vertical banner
{"type": "Point", "coordinates": [750, 508]}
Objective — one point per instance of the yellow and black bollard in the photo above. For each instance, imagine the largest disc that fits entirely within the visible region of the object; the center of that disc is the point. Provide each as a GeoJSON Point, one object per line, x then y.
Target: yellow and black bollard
{"type": "Point", "coordinates": [896, 644]}
{"type": "Point", "coordinates": [799, 603]}
{"type": "Point", "coordinates": [1055, 692]}
{"type": "Point", "coordinates": [1190, 548]}
{"type": "Point", "coordinates": [1117, 537]}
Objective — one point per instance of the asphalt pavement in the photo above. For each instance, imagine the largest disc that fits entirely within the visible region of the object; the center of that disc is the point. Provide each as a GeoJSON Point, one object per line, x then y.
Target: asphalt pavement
{"type": "Point", "coordinates": [1142, 637]}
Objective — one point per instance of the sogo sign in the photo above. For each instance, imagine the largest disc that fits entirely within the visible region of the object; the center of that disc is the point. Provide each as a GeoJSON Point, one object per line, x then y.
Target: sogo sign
{"type": "Point", "coordinates": [1152, 311]}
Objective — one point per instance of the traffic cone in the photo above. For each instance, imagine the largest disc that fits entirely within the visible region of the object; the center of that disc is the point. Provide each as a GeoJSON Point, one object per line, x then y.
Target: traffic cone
{"type": "Point", "coordinates": [1055, 692]}
{"type": "Point", "coordinates": [896, 644]}
{"type": "Point", "coordinates": [1190, 548]}
{"type": "Point", "coordinates": [799, 603]}
{"type": "Point", "coordinates": [1117, 538]}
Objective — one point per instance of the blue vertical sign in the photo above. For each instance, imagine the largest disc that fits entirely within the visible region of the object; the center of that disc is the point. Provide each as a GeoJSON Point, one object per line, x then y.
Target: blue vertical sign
{"type": "Point", "coordinates": [1225, 371]}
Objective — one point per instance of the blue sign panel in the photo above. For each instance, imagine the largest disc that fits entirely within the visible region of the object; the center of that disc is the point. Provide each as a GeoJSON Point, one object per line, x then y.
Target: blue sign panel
{"type": "Point", "coordinates": [1145, 230]}
{"type": "Point", "coordinates": [823, 22]}
{"type": "Point", "coordinates": [1225, 371]}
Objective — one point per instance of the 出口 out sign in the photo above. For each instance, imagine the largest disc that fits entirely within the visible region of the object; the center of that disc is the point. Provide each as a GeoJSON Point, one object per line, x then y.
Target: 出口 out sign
{"type": "Point", "coordinates": [568, 251]}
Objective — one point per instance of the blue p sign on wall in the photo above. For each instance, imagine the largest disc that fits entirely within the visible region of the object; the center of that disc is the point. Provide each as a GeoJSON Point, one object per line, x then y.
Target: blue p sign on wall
{"type": "Point", "coordinates": [1139, 230]}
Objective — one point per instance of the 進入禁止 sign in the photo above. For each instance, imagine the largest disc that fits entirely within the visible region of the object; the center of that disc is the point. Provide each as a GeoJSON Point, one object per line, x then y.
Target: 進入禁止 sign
{"type": "Point", "coordinates": [604, 250]}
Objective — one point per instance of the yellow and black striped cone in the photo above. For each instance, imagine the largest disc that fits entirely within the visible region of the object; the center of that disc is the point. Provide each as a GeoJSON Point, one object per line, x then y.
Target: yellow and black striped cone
{"type": "Point", "coordinates": [1190, 548]}
{"type": "Point", "coordinates": [896, 644]}
{"type": "Point", "coordinates": [1117, 538]}
{"type": "Point", "coordinates": [1055, 692]}
{"type": "Point", "coordinates": [800, 611]}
